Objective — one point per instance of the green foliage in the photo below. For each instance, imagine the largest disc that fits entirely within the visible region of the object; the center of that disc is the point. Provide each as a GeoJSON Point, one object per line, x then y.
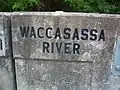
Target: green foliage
{"type": "Point", "coordinates": [102, 6]}
{"type": "Point", "coordinates": [23, 4]}
{"type": "Point", "coordinates": [19, 5]}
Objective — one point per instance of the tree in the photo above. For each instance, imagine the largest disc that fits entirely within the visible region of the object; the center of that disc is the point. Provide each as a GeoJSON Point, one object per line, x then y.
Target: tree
{"type": "Point", "coordinates": [101, 6]}
{"type": "Point", "coordinates": [18, 5]}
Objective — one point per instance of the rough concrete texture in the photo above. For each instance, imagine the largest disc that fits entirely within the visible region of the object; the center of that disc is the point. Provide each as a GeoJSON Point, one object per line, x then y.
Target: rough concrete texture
{"type": "Point", "coordinates": [99, 53]}
{"type": "Point", "coordinates": [6, 77]}
{"type": "Point", "coordinates": [4, 35]}
{"type": "Point", "coordinates": [53, 75]}
{"type": "Point", "coordinates": [32, 47]}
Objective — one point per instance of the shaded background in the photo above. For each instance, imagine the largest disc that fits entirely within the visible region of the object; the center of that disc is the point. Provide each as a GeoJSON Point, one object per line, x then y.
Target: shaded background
{"type": "Point", "coordinates": [100, 6]}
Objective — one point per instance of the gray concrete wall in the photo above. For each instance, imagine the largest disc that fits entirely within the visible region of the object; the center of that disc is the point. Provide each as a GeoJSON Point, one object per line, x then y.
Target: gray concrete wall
{"type": "Point", "coordinates": [52, 75]}
{"type": "Point", "coordinates": [6, 75]}
{"type": "Point", "coordinates": [80, 62]}
{"type": "Point", "coordinates": [60, 70]}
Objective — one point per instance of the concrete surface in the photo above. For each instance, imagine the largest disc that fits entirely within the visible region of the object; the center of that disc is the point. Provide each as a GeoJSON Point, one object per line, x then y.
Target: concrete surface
{"type": "Point", "coordinates": [98, 52]}
{"type": "Point", "coordinates": [53, 75]}
{"type": "Point", "coordinates": [79, 58]}
{"type": "Point", "coordinates": [6, 76]}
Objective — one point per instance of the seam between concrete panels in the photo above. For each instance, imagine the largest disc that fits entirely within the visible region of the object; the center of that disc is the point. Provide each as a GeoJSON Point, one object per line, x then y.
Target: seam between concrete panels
{"type": "Point", "coordinates": [54, 60]}
{"type": "Point", "coordinates": [11, 54]}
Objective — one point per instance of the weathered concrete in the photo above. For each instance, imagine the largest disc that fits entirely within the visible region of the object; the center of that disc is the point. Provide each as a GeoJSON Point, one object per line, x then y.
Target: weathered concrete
{"type": "Point", "coordinates": [4, 36]}
{"type": "Point", "coordinates": [89, 70]}
{"type": "Point", "coordinates": [6, 76]}
{"type": "Point", "coordinates": [53, 75]}
{"type": "Point", "coordinates": [32, 47]}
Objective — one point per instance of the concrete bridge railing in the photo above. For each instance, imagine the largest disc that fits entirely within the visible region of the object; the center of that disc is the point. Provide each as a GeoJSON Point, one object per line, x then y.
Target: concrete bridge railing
{"type": "Point", "coordinates": [59, 51]}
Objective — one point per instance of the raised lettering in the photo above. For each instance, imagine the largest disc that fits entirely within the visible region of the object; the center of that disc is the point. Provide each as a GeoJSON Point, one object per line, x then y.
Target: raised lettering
{"type": "Point", "coordinates": [67, 33]}
{"type": "Point", "coordinates": [75, 34]}
{"type": "Point", "coordinates": [32, 33]}
{"type": "Point", "coordinates": [67, 48]}
{"type": "Point", "coordinates": [58, 47]}
{"type": "Point", "coordinates": [1, 45]}
{"type": "Point", "coordinates": [76, 48]}
{"type": "Point", "coordinates": [47, 32]}
{"type": "Point", "coordinates": [84, 33]}
{"type": "Point", "coordinates": [102, 36]}
{"type": "Point", "coordinates": [38, 32]}
{"type": "Point", "coordinates": [93, 34]}
{"type": "Point", "coordinates": [24, 31]}
{"type": "Point", "coordinates": [57, 34]}
{"type": "Point", "coordinates": [45, 47]}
